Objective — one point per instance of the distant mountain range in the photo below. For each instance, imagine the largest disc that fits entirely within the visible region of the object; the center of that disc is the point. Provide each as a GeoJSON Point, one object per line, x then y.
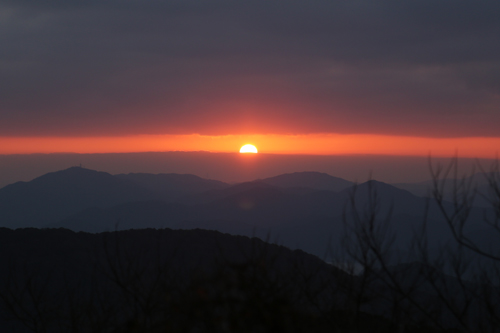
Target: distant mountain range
{"type": "Point", "coordinates": [150, 258]}
{"type": "Point", "coordinates": [301, 210]}
{"type": "Point", "coordinates": [56, 195]}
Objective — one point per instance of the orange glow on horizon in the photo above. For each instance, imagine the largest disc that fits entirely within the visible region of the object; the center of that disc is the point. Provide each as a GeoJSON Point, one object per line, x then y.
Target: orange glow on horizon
{"type": "Point", "coordinates": [311, 144]}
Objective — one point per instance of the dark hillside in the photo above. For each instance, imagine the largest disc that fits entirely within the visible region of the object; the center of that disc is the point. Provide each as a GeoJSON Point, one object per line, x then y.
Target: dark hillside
{"type": "Point", "coordinates": [151, 280]}
{"type": "Point", "coordinates": [172, 280]}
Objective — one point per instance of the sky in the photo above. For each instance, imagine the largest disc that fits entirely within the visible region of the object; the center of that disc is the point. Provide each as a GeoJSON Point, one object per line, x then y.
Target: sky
{"type": "Point", "coordinates": [402, 78]}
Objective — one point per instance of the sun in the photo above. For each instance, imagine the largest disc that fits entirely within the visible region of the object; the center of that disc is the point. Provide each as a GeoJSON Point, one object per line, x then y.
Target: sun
{"type": "Point", "coordinates": [248, 149]}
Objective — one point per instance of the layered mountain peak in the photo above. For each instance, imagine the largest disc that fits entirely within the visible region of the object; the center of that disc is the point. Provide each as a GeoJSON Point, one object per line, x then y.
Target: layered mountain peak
{"type": "Point", "coordinates": [309, 179]}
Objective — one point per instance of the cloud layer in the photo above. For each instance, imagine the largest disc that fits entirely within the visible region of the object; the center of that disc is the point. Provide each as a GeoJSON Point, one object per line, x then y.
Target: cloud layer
{"type": "Point", "coordinates": [418, 67]}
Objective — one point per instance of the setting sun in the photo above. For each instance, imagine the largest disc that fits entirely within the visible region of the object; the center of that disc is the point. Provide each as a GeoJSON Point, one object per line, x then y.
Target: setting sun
{"type": "Point", "coordinates": [248, 149]}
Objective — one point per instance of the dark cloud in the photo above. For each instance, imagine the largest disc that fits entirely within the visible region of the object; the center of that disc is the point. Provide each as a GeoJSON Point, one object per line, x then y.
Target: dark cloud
{"type": "Point", "coordinates": [217, 67]}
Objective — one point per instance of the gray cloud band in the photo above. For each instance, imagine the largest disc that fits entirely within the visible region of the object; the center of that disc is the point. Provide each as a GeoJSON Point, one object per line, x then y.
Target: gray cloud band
{"type": "Point", "coordinates": [129, 67]}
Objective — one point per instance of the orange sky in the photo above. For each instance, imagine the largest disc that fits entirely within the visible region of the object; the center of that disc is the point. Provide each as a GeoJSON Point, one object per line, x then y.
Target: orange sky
{"type": "Point", "coordinates": [316, 144]}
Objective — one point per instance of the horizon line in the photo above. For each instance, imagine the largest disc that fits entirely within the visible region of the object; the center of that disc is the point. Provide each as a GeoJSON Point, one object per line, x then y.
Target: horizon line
{"type": "Point", "coordinates": [311, 144]}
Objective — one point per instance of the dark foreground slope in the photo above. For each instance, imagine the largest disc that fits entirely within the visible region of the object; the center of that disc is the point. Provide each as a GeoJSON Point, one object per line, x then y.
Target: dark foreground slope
{"type": "Point", "coordinates": [56, 280]}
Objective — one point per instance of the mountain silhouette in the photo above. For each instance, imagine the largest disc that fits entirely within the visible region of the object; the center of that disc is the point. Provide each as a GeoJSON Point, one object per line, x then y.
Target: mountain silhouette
{"type": "Point", "coordinates": [55, 195]}
{"type": "Point", "coordinates": [298, 220]}
{"type": "Point", "coordinates": [217, 194]}
{"type": "Point", "coordinates": [305, 218]}
{"type": "Point", "coordinates": [309, 179]}
{"type": "Point", "coordinates": [285, 212]}
{"type": "Point", "coordinates": [171, 185]}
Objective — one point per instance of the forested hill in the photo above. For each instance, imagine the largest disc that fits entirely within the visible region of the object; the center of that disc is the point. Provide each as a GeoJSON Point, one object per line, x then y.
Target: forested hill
{"type": "Point", "coordinates": [156, 280]}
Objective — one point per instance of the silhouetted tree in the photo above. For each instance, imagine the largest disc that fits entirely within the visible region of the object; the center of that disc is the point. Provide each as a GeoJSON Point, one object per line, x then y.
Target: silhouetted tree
{"type": "Point", "coordinates": [455, 286]}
